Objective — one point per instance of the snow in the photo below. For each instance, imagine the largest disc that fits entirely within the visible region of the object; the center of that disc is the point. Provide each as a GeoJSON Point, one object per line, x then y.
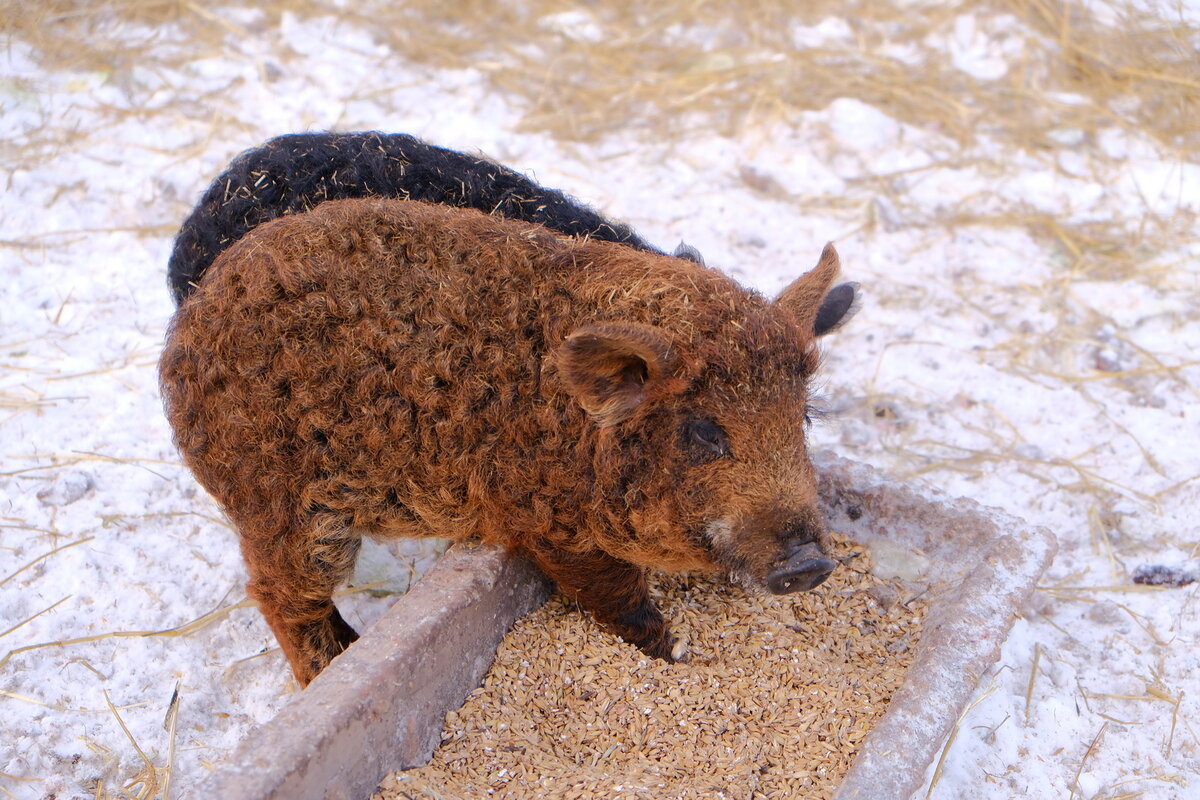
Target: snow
{"type": "Point", "coordinates": [982, 363]}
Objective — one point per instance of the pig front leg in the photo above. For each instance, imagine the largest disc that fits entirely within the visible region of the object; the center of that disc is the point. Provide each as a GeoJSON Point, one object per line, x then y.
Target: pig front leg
{"type": "Point", "coordinates": [616, 594]}
{"type": "Point", "coordinates": [292, 578]}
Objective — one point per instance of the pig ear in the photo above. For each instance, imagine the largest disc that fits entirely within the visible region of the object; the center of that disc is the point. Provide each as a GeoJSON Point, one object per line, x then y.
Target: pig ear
{"type": "Point", "coordinates": [816, 307]}
{"type": "Point", "coordinates": [839, 305]}
{"type": "Point", "coordinates": [685, 250]}
{"type": "Point", "coordinates": [607, 367]}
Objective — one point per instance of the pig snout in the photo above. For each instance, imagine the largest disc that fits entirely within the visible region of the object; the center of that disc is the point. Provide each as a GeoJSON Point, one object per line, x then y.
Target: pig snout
{"type": "Point", "coordinates": [803, 568]}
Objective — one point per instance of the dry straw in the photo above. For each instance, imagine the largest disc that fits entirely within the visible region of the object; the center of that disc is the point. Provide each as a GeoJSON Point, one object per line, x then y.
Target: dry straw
{"type": "Point", "coordinates": [678, 65]}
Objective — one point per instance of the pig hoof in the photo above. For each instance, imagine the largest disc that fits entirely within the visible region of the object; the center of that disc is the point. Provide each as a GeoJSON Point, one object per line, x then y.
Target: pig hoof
{"type": "Point", "coordinates": [665, 648]}
{"type": "Point", "coordinates": [679, 652]}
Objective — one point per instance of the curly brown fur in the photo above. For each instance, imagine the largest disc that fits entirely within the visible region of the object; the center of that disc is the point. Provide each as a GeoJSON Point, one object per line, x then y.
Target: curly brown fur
{"type": "Point", "coordinates": [293, 173]}
{"type": "Point", "coordinates": [394, 368]}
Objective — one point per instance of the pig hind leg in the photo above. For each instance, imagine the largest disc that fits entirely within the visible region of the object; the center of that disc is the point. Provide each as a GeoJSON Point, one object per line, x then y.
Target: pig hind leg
{"type": "Point", "coordinates": [292, 578]}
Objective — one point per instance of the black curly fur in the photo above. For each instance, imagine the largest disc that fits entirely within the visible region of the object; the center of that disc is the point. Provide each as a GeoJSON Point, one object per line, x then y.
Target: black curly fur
{"type": "Point", "coordinates": [293, 173]}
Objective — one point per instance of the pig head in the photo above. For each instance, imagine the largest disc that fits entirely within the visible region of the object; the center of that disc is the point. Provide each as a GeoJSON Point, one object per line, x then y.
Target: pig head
{"type": "Point", "coordinates": [702, 444]}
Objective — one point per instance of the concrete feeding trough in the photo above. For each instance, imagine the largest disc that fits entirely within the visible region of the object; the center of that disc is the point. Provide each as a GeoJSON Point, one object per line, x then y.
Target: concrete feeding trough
{"type": "Point", "coordinates": [380, 706]}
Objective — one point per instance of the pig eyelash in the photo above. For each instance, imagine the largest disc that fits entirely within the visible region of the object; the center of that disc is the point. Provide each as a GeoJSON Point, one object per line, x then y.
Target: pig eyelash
{"type": "Point", "coordinates": [815, 412]}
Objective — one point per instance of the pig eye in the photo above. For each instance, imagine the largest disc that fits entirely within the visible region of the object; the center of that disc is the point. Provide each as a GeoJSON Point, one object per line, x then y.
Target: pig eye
{"type": "Point", "coordinates": [704, 440]}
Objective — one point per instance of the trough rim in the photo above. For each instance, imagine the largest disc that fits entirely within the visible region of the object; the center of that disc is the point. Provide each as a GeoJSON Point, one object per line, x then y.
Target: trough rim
{"type": "Point", "coordinates": [985, 595]}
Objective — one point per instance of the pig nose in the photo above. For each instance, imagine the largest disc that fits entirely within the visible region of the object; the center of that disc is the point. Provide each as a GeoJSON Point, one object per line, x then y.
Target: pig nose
{"type": "Point", "coordinates": [804, 568]}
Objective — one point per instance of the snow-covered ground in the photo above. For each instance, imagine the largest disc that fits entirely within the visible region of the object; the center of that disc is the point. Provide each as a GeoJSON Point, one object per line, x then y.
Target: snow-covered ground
{"type": "Point", "coordinates": [996, 357]}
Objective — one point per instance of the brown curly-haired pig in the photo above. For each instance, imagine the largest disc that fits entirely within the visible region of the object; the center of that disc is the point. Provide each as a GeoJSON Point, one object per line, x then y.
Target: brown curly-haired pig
{"type": "Point", "coordinates": [395, 368]}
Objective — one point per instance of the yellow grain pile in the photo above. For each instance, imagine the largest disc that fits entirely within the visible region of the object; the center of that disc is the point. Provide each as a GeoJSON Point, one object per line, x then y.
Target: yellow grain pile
{"type": "Point", "coordinates": [775, 701]}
